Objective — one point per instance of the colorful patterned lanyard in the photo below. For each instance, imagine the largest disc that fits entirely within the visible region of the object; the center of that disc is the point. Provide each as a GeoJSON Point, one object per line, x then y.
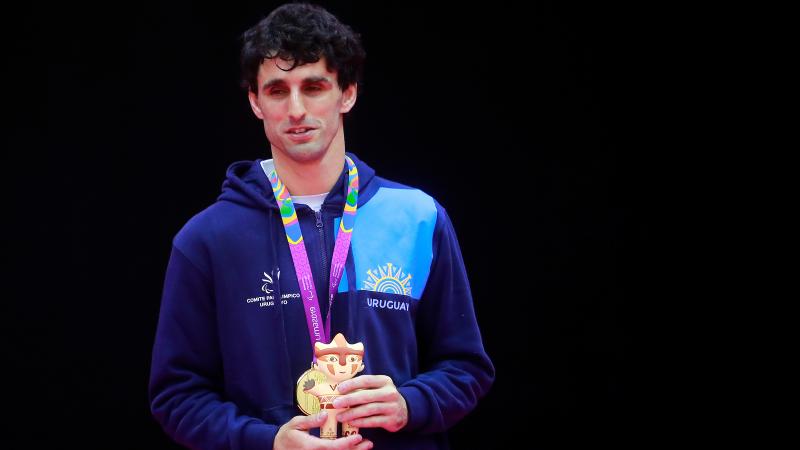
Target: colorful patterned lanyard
{"type": "Point", "coordinates": [316, 330]}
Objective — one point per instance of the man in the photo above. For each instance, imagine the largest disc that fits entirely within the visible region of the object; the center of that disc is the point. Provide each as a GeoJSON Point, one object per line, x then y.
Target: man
{"type": "Point", "coordinates": [236, 331]}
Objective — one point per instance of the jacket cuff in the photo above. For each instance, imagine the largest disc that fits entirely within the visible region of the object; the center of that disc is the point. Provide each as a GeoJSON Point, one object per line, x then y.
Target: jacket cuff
{"type": "Point", "coordinates": [259, 436]}
{"type": "Point", "coordinates": [417, 404]}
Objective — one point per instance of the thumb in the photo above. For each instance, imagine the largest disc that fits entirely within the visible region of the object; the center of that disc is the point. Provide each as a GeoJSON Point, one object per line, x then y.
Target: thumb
{"type": "Point", "coordinates": [306, 423]}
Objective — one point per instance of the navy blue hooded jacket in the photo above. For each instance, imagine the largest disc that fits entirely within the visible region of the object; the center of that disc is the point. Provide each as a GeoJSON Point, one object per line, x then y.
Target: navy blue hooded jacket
{"type": "Point", "coordinates": [232, 338]}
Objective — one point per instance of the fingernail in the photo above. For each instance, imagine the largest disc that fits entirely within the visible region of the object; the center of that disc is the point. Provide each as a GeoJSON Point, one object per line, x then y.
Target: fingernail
{"type": "Point", "coordinates": [343, 386]}
{"type": "Point", "coordinates": [337, 403]}
{"type": "Point", "coordinates": [322, 415]}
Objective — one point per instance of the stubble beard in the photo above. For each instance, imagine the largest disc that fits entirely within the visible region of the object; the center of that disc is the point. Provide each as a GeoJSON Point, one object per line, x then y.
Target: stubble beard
{"type": "Point", "coordinates": [306, 153]}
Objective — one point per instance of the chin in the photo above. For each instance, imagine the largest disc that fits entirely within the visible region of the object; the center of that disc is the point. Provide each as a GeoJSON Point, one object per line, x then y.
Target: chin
{"type": "Point", "coordinates": [306, 154]}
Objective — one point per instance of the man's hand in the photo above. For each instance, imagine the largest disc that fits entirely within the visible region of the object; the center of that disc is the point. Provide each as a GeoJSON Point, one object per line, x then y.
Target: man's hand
{"type": "Point", "coordinates": [377, 404]}
{"type": "Point", "coordinates": [294, 435]}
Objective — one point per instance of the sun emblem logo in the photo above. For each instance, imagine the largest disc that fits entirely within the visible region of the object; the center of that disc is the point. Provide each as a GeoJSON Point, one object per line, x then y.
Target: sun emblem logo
{"type": "Point", "coordinates": [388, 279]}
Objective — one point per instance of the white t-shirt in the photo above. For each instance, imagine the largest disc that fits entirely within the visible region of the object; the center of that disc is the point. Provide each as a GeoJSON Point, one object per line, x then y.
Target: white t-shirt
{"type": "Point", "coordinates": [313, 201]}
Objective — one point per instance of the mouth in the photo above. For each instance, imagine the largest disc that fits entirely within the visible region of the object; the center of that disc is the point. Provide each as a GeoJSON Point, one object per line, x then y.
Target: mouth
{"type": "Point", "coordinates": [299, 130]}
{"type": "Point", "coordinates": [300, 134]}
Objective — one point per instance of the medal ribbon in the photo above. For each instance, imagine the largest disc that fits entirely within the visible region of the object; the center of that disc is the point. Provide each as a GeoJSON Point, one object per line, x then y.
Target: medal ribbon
{"type": "Point", "coordinates": [316, 330]}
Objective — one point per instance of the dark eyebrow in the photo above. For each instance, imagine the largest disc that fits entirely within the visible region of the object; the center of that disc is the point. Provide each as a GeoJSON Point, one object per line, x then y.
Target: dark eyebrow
{"type": "Point", "coordinates": [309, 80]}
{"type": "Point", "coordinates": [271, 83]}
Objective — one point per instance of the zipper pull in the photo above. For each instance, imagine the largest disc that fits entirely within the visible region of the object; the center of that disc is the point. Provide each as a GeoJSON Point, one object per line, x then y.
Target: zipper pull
{"type": "Point", "coordinates": [318, 215]}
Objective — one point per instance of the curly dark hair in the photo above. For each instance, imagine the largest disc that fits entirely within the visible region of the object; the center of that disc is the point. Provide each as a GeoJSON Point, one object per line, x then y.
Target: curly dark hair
{"type": "Point", "coordinates": [302, 33]}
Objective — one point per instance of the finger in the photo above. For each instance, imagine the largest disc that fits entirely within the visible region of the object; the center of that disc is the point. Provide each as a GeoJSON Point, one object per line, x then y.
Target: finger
{"type": "Point", "coordinates": [364, 382]}
{"type": "Point", "coordinates": [381, 421]}
{"type": "Point", "coordinates": [392, 421]}
{"type": "Point", "coordinates": [370, 409]}
{"type": "Point", "coordinates": [342, 443]}
{"type": "Point", "coordinates": [359, 398]}
{"type": "Point", "coordinates": [305, 423]}
{"type": "Point", "coordinates": [364, 445]}
{"type": "Point", "coordinates": [385, 394]}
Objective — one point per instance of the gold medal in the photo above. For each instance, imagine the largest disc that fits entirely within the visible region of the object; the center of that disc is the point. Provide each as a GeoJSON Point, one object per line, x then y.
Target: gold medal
{"type": "Point", "coordinates": [308, 403]}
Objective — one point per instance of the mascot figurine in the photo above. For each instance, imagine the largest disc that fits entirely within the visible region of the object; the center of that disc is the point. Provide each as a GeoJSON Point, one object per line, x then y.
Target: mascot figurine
{"type": "Point", "coordinates": [337, 361]}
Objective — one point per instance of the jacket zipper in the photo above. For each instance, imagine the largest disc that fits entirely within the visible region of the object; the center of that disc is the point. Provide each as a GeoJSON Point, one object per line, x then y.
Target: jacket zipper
{"type": "Point", "coordinates": [323, 250]}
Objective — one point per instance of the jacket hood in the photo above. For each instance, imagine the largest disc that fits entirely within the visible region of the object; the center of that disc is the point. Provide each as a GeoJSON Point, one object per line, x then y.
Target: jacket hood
{"type": "Point", "coordinates": [246, 184]}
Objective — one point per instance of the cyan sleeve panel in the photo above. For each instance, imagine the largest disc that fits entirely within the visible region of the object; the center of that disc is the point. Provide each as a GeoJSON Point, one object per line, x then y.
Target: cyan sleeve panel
{"type": "Point", "coordinates": [392, 242]}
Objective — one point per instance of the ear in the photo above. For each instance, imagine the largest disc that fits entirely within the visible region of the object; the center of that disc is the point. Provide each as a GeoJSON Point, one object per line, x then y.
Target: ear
{"type": "Point", "coordinates": [349, 96]}
{"type": "Point", "coordinates": [254, 104]}
{"type": "Point", "coordinates": [360, 369]}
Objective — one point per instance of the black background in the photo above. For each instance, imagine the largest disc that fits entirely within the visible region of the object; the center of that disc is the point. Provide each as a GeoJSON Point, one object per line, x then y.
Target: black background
{"type": "Point", "coordinates": [122, 119]}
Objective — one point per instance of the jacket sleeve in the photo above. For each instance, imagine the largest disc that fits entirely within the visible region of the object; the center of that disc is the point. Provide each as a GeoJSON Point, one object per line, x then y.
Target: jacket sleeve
{"type": "Point", "coordinates": [455, 369]}
{"type": "Point", "coordinates": [186, 373]}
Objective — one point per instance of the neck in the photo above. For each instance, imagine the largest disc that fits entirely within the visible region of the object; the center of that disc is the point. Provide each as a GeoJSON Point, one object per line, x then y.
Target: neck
{"type": "Point", "coordinates": [309, 177]}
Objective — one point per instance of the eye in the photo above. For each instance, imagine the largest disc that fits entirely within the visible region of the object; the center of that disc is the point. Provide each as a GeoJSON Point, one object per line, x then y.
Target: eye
{"type": "Point", "coordinates": [353, 359]}
{"type": "Point", "coordinates": [277, 92]}
{"type": "Point", "coordinates": [332, 358]}
{"type": "Point", "coordinates": [312, 89]}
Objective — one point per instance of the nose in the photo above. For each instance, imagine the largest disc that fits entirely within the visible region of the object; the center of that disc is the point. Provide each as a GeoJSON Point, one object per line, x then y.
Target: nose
{"type": "Point", "coordinates": [297, 110]}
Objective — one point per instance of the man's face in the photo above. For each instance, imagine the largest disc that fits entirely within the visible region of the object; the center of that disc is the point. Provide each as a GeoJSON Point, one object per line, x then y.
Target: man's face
{"type": "Point", "coordinates": [301, 108]}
